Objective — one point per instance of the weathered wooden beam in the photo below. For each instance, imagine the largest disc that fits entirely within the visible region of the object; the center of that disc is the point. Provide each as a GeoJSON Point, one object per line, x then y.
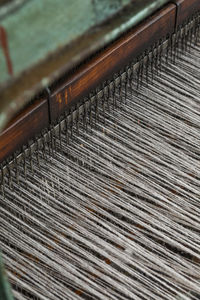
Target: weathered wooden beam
{"type": "Point", "coordinates": [113, 59]}
{"type": "Point", "coordinates": [89, 75]}
{"type": "Point", "coordinates": [50, 53]}
{"type": "Point", "coordinates": [185, 8]}
{"type": "Point", "coordinates": [23, 128]}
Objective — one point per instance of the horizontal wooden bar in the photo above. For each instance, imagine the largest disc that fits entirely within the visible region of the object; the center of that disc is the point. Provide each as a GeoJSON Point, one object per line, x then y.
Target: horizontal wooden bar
{"type": "Point", "coordinates": [100, 68]}
{"type": "Point", "coordinates": [62, 56]}
{"type": "Point", "coordinates": [185, 9]}
{"type": "Point", "coordinates": [36, 117]}
{"type": "Point", "coordinates": [24, 127]}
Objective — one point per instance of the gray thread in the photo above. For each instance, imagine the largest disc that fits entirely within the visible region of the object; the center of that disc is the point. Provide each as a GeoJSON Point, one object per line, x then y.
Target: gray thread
{"type": "Point", "coordinates": [114, 214]}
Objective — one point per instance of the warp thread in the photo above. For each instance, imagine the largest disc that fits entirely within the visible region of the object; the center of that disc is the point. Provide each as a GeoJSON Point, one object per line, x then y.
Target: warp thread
{"type": "Point", "coordinates": [114, 213]}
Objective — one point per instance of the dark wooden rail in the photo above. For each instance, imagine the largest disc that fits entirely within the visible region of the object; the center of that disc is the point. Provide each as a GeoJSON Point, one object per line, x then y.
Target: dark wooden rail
{"type": "Point", "coordinates": [36, 117]}
{"type": "Point", "coordinates": [185, 8]}
{"type": "Point", "coordinates": [112, 59]}
{"type": "Point", "coordinates": [24, 127]}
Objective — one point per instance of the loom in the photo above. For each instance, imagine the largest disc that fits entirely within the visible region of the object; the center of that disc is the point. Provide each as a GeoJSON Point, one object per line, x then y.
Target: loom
{"type": "Point", "coordinates": [67, 91]}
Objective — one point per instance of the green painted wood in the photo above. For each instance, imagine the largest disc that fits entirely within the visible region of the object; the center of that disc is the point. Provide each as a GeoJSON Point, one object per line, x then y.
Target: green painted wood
{"type": "Point", "coordinates": [47, 38]}
{"type": "Point", "coordinates": [5, 290]}
{"type": "Point", "coordinates": [38, 27]}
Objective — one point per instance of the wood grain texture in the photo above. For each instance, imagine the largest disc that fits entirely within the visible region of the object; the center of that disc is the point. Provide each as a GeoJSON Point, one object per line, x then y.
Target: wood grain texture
{"type": "Point", "coordinates": [58, 42]}
{"type": "Point", "coordinates": [89, 75]}
{"type": "Point", "coordinates": [24, 127]}
{"type": "Point", "coordinates": [185, 8]}
{"type": "Point", "coordinates": [112, 59]}
{"type": "Point", "coordinates": [33, 119]}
